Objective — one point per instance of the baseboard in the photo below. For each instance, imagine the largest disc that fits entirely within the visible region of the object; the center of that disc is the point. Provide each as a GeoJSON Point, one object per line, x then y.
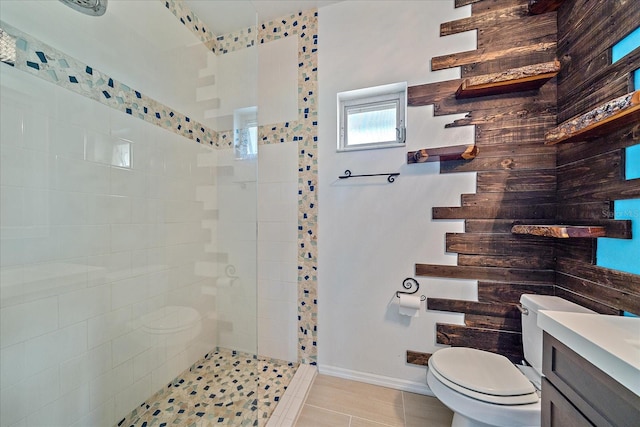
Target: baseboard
{"type": "Point", "coordinates": [365, 377]}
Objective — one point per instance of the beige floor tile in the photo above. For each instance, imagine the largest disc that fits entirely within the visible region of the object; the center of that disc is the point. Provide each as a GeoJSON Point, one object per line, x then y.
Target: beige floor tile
{"type": "Point", "coordinates": [365, 401]}
{"type": "Point", "coordinates": [359, 422]}
{"type": "Point", "coordinates": [312, 416]}
{"type": "Point", "coordinates": [423, 411]}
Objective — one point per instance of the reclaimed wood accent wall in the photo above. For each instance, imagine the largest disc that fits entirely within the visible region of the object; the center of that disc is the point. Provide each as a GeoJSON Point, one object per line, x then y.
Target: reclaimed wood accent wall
{"type": "Point", "coordinates": [518, 179]}
{"type": "Point", "coordinates": [591, 173]}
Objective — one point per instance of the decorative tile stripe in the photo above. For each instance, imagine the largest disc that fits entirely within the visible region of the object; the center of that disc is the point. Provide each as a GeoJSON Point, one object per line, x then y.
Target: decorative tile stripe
{"type": "Point", "coordinates": [225, 387]}
{"type": "Point", "coordinates": [216, 43]}
{"type": "Point", "coordinates": [304, 131]}
{"type": "Point", "coordinates": [47, 63]}
{"type": "Point", "coordinates": [189, 19]}
{"type": "Point", "coordinates": [237, 40]}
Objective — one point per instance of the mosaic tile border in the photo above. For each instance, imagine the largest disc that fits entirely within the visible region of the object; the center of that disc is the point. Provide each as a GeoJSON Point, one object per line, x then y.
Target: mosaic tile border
{"type": "Point", "coordinates": [219, 44]}
{"type": "Point", "coordinates": [304, 131]}
{"type": "Point", "coordinates": [43, 61]}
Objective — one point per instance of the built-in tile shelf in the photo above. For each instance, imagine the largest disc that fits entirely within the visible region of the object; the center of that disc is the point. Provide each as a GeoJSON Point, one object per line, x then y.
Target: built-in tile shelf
{"type": "Point", "coordinates": [440, 154]}
{"type": "Point", "coordinates": [519, 79]}
{"type": "Point", "coordinates": [601, 120]}
{"type": "Point", "coordinates": [537, 7]}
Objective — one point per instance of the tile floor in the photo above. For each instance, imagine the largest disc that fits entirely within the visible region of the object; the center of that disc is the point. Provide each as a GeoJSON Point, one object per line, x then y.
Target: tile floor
{"type": "Point", "coordinates": [336, 402]}
{"type": "Point", "coordinates": [225, 388]}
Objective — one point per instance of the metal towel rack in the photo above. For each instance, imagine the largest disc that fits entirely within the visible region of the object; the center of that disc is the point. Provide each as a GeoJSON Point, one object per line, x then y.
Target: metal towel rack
{"type": "Point", "coordinates": [408, 283]}
{"type": "Point", "coordinates": [390, 176]}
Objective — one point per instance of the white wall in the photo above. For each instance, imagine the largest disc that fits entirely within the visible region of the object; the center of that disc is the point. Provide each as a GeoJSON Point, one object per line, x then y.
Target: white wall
{"type": "Point", "coordinates": [93, 254]}
{"type": "Point", "coordinates": [372, 233]}
{"type": "Point", "coordinates": [94, 250]}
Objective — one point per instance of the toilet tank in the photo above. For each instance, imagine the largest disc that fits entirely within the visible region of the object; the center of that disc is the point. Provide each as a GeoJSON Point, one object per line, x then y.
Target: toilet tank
{"type": "Point", "coordinates": [531, 333]}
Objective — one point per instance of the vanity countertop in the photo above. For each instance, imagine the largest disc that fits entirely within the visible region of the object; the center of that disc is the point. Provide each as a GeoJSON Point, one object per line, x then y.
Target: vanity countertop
{"type": "Point", "coordinates": [611, 343]}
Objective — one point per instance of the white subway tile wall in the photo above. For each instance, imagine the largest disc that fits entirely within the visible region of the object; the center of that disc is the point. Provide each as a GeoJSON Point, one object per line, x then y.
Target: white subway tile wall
{"type": "Point", "coordinates": [104, 218]}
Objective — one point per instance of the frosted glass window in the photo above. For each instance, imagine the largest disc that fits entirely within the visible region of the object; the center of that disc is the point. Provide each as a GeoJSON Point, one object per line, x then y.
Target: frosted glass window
{"type": "Point", "coordinates": [371, 123]}
{"type": "Point", "coordinates": [372, 118]}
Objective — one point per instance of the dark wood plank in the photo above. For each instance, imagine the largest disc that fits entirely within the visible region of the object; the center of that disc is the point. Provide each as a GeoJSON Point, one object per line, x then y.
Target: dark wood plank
{"type": "Point", "coordinates": [614, 279]}
{"type": "Point", "coordinates": [474, 307]}
{"type": "Point", "coordinates": [615, 190]}
{"type": "Point", "coordinates": [582, 250]}
{"type": "Point", "coordinates": [599, 170]}
{"type": "Point", "coordinates": [499, 226]}
{"type": "Point", "coordinates": [544, 6]}
{"type": "Point", "coordinates": [488, 18]}
{"type": "Point", "coordinates": [487, 163]}
{"type": "Point", "coordinates": [418, 358]}
{"type": "Point", "coordinates": [617, 140]}
{"type": "Point", "coordinates": [507, 261]}
{"type": "Point", "coordinates": [615, 299]}
{"type": "Point", "coordinates": [587, 211]}
{"type": "Point", "coordinates": [492, 322]}
{"type": "Point", "coordinates": [584, 301]}
{"type": "Point", "coordinates": [507, 181]}
{"type": "Point", "coordinates": [600, 82]}
{"type": "Point", "coordinates": [520, 275]}
{"type": "Point", "coordinates": [498, 244]}
{"type": "Point", "coordinates": [510, 292]}
{"type": "Point", "coordinates": [560, 231]}
{"type": "Point", "coordinates": [507, 343]}
{"type": "Point", "coordinates": [431, 93]}
{"type": "Point", "coordinates": [463, 58]}
{"type": "Point", "coordinates": [515, 198]}
{"type": "Point", "coordinates": [498, 212]}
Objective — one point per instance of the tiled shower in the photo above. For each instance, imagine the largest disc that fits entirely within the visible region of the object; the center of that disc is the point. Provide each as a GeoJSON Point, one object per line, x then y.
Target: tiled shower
{"type": "Point", "coordinates": [129, 250]}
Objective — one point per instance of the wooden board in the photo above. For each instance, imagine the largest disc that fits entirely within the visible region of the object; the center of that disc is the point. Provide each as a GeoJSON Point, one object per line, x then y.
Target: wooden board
{"type": "Point", "coordinates": [615, 113]}
{"type": "Point", "coordinates": [507, 343]}
{"type": "Point", "coordinates": [513, 80]}
{"type": "Point", "coordinates": [418, 358]}
{"type": "Point", "coordinates": [469, 57]}
{"type": "Point", "coordinates": [544, 6]}
{"type": "Point", "coordinates": [520, 275]}
{"type": "Point", "coordinates": [442, 154]}
{"type": "Point", "coordinates": [560, 231]}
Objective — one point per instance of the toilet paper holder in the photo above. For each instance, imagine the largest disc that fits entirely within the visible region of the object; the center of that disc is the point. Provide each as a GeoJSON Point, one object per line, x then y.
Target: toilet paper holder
{"type": "Point", "coordinates": [409, 283]}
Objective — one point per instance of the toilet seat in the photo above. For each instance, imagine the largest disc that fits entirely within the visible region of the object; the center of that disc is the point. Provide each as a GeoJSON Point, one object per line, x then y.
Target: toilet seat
{"type": "Point", "coordinates": [481, 375]}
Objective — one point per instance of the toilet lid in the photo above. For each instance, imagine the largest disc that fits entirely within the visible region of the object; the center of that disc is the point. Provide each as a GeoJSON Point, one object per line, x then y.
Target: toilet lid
{"type": "Point", "coordinates": [482, 375]}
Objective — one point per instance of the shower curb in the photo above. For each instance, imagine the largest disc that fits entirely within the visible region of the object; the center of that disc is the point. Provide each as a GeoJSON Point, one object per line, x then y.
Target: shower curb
{"type": "Point", "coordinates": [289, 407]}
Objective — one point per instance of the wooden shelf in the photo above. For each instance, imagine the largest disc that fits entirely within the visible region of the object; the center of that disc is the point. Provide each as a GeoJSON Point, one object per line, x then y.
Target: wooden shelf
{"type": "Point", "coordinates": [537, 7]}
{"type": "Point", "coordinates": [606, 117]}
{"type": "Point", "coordinates": [519, 79]}
{"type": "Point", "coordinates": [454, 152]}
{"type": "Point", "coordinates": [561, 231]}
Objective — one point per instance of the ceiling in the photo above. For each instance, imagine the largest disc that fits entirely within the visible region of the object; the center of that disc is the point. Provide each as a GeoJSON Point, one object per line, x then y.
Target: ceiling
{"type": "Point", "coordinates": [225, 16]}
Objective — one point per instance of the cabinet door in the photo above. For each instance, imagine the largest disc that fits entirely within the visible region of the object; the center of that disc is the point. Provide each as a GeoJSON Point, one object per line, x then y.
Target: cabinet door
{"type": "Point", "coordinates": [558, 411]}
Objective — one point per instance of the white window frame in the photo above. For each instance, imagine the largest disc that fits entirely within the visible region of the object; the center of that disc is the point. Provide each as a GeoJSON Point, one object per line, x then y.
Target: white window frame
{"type": "Point", "coordinates": [367, 100]}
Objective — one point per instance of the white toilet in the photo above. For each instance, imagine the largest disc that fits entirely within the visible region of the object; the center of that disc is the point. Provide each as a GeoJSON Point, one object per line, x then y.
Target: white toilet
{"type": "Point", "coordinates": [485, 389]}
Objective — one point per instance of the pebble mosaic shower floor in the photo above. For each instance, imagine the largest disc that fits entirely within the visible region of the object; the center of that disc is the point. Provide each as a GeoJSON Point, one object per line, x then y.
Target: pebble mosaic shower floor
{"type": "Point", "coordinates": [224, 388]}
